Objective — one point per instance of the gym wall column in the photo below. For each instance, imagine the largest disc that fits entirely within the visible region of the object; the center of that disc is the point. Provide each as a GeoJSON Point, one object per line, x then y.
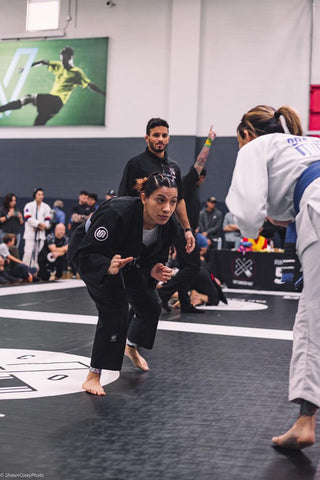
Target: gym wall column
{"type": "Point", "coordinates": [184, 66]}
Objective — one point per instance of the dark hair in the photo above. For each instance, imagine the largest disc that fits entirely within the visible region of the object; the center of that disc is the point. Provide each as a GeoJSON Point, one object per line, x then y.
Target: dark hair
{"type": "Point", "coordinates": [67, 51]}
{"type": "Point", "coordinates": [83, 192]}
{"type": "Point", "coordinates": [36, 190]}
{"type": "Point", "coordinates": [7, 199]}
{"type": "Point", "coordinates": [156, 122]}
{"type": "Point", "coordinates": [93, 195]}
{"type": "Point", "coordinates": [8, 237]}
{"type": "Point", "coordinates": [203, 173]}
{"type": "Point", "coordinates": [148, 185]}
{"type": "Point", "coordinates": [263, 119]}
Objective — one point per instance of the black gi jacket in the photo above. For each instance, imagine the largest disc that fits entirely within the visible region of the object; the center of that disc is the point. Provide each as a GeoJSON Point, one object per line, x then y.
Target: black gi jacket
{"type": "Point", "coordinates": [116, 228]}
{"type": "Point", "coordinates": [142, 166]}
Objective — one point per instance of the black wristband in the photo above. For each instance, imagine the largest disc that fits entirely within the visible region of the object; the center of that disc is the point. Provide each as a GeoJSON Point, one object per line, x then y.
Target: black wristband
{"type": "Point", "coordinates": [189, 229]}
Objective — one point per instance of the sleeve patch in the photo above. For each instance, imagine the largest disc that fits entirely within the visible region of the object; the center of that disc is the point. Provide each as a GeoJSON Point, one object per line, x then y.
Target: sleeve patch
{"type": "Point", "coordinates": [101, 234]}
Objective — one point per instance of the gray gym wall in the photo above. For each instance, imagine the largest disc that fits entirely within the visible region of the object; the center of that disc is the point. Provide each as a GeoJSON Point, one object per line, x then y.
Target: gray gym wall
{"type": "Point", "coordinates": [63, 167]}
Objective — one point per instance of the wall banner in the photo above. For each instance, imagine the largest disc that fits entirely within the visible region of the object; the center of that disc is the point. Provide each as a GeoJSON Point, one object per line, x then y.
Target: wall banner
{"type": "Point", "coordinates": [53, 82]}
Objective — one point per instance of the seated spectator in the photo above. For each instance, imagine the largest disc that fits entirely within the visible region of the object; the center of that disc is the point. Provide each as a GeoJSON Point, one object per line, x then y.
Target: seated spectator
{"type": "Point", "coordinates": [14, 266]}
{"type": "Point", "coordinates": [210, 221]}
{"type": "Point", "coordinates": [53, 256]}
{"type": "Point", "coordinates": [232, 235]}
{"type": "Point", "coordinates": [5, 278]}
{"type": "Point", "coordinates": [10, 217]}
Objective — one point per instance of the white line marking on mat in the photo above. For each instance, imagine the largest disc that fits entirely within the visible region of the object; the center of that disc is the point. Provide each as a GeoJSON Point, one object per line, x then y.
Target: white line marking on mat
{"type": "Point", "coordinates": [262, 292]}
{"type": "Point", "coordinates": [43, 287]}
{"type": "Point", "coordinates": [163, 325]}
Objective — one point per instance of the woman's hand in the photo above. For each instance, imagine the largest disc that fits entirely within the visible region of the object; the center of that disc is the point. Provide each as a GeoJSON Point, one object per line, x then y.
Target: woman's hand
{"type": "Point", "coordinates": [117, 263]}
{"type": "Point", "coordinates": [161, 273]}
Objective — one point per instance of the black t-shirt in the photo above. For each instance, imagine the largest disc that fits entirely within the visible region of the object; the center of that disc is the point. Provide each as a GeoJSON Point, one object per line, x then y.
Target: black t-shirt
{"type": "Point", "coordinates": [58, 242]}
{"type": "Point", "coordinates": [52, 240]}
{"type": "Point", "coordinates": [142, 166]}
{"type": "Point", "coordinates": [12, 225]}
{"type": "Point", "coordinates": [191, 196]}
{"type": "Point", "coordinates": [81, 209]}
{"type": "Point", "coordinates": [84, 210]}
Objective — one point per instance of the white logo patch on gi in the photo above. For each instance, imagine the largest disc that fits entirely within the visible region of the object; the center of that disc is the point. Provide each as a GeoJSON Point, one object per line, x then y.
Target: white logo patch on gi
{"type": "Point", "coordinates": [101, 234]}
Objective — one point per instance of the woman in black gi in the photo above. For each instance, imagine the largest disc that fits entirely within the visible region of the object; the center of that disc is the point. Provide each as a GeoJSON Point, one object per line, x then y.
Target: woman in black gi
{"type": "Point", "coordinates": [120, 254]}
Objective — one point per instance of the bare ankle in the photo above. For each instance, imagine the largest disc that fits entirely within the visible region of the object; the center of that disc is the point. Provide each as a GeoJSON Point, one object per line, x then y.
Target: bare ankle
{"type": "Point", "coordinates": [94, 376]}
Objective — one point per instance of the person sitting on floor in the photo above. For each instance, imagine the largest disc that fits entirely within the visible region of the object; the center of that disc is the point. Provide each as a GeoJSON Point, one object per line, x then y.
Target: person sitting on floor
{"type": "Point", "coordinates": [5, 278]}
{"type": "Point", "coordinates": [15, 267]}
{"type": "Point", "coordinates": [210, 221]}
{"type": "Point", "coordinates": [14, 252]}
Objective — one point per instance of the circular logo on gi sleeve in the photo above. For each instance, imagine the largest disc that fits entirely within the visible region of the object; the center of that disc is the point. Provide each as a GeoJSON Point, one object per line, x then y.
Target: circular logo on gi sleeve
{"type": "Point", "coordinates": [101, 234]}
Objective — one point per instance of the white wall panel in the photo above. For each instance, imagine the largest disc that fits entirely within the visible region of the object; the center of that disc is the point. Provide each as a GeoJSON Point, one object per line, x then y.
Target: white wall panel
{"type": "Point", "coordinates": [194, 62]}
{"type": "Point", "coordinates": [254, 52]}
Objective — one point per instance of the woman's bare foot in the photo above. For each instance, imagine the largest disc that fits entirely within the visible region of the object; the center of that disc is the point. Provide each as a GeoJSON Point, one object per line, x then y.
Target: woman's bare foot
{"type": "Point", "coordinates": [93, 385]}
{"type": "Point", "coordinates": [136, 358]}
{"type": "Point", "coordinates": [301, 435]}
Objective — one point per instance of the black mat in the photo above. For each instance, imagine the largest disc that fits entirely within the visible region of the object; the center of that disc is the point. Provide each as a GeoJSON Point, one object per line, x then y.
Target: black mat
{"type": "Point", "coordinates": [207, 409]}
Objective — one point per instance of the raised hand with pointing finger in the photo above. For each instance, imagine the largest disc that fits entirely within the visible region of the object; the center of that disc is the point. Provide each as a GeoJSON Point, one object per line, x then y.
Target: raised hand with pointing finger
{"type": "Point", "coordinates": [117, 263]}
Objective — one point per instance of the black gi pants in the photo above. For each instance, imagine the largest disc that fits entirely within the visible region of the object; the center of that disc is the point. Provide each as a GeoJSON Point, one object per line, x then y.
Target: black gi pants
{"type": "Point", "coordinates": [203, 284]}
{"type": "Point", "coordinates": [112, 302]}
{"type": "Point", "coordinates": [189, 266]}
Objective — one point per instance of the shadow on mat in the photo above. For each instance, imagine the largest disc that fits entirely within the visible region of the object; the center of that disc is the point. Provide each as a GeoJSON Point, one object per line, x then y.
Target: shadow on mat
{"type": "Point", "coordinates": [290, 465]}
